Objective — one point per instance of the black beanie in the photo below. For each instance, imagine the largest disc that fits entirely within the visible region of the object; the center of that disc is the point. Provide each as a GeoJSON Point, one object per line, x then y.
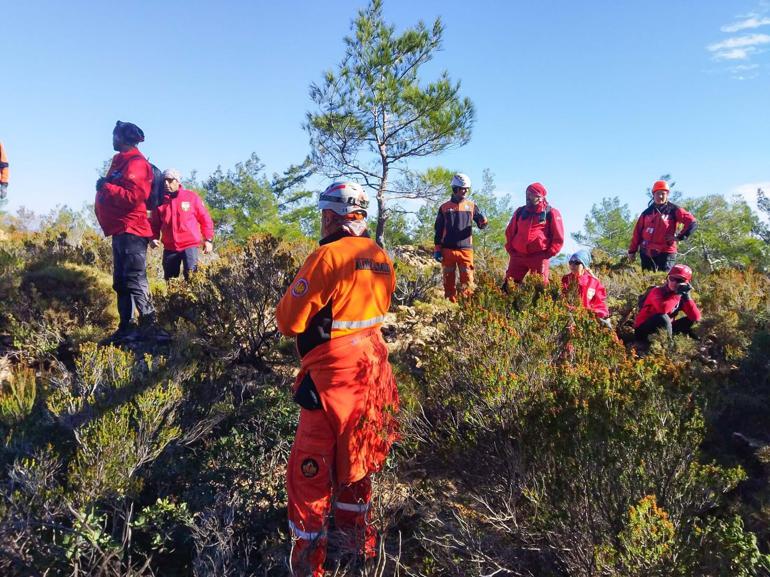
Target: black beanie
{"type": "Point", "coordinates": [129, 133]}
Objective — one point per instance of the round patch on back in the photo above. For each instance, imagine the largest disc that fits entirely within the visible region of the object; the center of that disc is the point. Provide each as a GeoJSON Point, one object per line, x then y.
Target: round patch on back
{"type": "Point", "coordinates": [299, 288]}
{"type": "Point", "coordinates": [309, 468]}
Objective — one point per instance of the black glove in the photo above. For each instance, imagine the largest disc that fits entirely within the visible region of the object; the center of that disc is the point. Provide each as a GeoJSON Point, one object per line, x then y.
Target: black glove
{"type": "Point", "coordinates": [684, 290]}
{"type": "Point", "coordinates": [100, 183]}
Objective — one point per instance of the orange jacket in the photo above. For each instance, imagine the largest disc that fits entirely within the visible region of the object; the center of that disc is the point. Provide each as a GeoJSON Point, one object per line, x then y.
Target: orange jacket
{"type": "Point", "coordinates": [343, 287]}
{"type": "Point", "coordinates": [3, 165]}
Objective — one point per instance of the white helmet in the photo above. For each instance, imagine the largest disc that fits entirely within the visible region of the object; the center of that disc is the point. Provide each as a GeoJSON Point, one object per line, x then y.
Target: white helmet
{"type": "Point", "coordinates": [461, 180]}
{"type": "Point", "coordinates": [344, 197]}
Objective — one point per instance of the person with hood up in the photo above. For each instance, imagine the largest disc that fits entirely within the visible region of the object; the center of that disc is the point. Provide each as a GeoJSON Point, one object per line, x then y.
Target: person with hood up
{"type": "Point", "coordinates": [660, 306]}
{"type": "Point", "coordinates": [534, 235]}
{"type": "Point", "coordinates": [121, 210]}
{"type": "Point", "coordinates": [592, 293]}
{"type": "Point", "coordinates": [453, 237]}
{"type": "Point", "coordinates": [183, 222]}
{"type": "Point", "coordinates": [655, 234]}
{"type": "Point", "coordinates": [345, 386]}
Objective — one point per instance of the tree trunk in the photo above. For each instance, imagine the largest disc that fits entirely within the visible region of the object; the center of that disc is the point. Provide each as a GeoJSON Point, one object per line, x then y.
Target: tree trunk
{"type": "Point", "coordinates": [382, 217]}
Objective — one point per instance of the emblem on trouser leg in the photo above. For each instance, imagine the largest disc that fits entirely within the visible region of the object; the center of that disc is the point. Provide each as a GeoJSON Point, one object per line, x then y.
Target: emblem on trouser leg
{"type": "Point", "coordinates": [309, 468]}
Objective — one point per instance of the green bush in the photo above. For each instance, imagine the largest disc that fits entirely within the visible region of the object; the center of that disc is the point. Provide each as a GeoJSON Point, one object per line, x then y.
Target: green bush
{"type": "Point", "coordinates": [231, 303]}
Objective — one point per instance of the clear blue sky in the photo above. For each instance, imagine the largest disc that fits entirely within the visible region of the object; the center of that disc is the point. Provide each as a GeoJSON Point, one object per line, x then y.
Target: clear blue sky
{"type": "Point", "coordinates": [593, 98]}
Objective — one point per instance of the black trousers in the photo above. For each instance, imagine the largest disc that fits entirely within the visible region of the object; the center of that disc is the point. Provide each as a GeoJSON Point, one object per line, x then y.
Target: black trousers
{"type": "Point", "coordinates": [660, 262]}
{"type": "Point", "coordinates": [174, 260]}
{"type": "Point", "coordinates": [129, 276]}
{"type": "Point", "coordinates": [682, 326]}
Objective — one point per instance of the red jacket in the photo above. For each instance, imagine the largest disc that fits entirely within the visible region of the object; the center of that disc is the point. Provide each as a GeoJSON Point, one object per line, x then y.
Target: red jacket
{"type": "Point", "coordinates": [182, 221]}
{"type": "Point", "coordinates": [661, 300]}
{"type": "Point", "coordinates": [655, 231]}
{"type": "Point", "coordinates": [592, 292]}
{"type": "Point", "coordinates": [535, 232]}
{"type": "Point", "coordinates": [120, 202]}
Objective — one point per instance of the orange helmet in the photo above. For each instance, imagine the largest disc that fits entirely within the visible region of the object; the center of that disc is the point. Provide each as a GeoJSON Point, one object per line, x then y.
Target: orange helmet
{"type": "Point", "coordinates": [681, 271]}
{"type": "Point", "coordinates": [660, 185]}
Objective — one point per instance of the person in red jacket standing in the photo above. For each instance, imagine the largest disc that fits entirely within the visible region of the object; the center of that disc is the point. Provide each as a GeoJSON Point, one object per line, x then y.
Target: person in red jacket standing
{"type": "Point", "coordinates": [662, 304]}
{"type": "Point", "coordinates": [121, 210]}
{"type": "Point", "coordinates": [183, 222]}
{"type": "Point", "coordinates": [453, 237]}
{"type": "Point", "coordinates": [345, 386]}
{"type": "Point", "coordinates": [593, 295]}
{"type": "Point", "coordinates": [655, 233]}
{"type": "Point", "coordinates": [534, 235]}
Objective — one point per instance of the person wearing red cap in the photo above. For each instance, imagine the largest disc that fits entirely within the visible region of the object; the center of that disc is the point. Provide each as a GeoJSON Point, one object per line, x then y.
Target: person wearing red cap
{"type": "Point", "coordinates": [659, 308]}
{"type": "Point", "coordinates": [534, 235]}
{"type": "Point", "coordinates": [655, 234]}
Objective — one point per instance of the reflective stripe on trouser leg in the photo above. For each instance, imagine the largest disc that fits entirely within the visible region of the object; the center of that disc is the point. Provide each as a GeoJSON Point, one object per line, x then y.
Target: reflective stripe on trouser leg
{"type": "Point", "coordinates": [309, 482]}
{"type": "Point", "coordinates": [466, 279]}
{"type": "Point", "coordinates": [449, 280]}
{"type": "Point", "coordinates": [352, 518]}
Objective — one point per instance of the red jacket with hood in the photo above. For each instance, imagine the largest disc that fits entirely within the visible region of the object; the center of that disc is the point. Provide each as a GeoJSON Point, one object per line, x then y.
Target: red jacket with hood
{"type": "Point", "coordinates": [593, 295]}
{"type": "Point", "coordinates": [533, 232]}
{"type": "Point", "coordinates": [120, 202]}
{"type": "Point", "coordinates": [662, 300]}
{"type": "Point", "coordinates": [182, 221]}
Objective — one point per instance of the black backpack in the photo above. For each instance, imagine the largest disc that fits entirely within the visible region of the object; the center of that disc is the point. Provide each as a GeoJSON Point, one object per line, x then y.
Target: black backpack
{"type": "Point", "coordinates": [156, 188]}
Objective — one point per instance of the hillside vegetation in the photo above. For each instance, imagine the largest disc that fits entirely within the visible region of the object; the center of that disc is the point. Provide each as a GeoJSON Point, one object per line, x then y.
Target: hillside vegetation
{"type": "Point", "coordinates": [533, 440]}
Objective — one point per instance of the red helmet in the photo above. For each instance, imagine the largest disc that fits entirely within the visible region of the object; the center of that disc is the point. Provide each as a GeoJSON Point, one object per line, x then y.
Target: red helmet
{"type": "Point", "coordinates": [660, 185]}
{"type": "Point", "coordinates": [681, 271]}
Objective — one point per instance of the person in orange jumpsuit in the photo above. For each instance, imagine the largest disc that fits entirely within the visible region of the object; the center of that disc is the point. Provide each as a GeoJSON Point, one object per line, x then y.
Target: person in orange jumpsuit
{"type": "Point", "coordinates": [453, 237]}
{"type": "Point", "coordinates": [534, 235]}
{"type": "Point", "coordinates": [3, 173]}
{"type": "Point", "coordinates": [345, 386]}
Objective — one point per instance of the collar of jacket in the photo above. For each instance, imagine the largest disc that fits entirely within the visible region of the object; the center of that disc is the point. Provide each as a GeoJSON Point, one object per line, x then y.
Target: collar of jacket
{"type": "Point", "coordinates": [131, 152]}
{"type": "Point", "coordinates": [338, 235]}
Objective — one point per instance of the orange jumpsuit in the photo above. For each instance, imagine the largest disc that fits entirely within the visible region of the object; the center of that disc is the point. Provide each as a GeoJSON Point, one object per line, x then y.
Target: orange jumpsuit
{"type": "Point", "coordinates": [334, 307]}
{"type": "Point", "coordinates": [3, 166]}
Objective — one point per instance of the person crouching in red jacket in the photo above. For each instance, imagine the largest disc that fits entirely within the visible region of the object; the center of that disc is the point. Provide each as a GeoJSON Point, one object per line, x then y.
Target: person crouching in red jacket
{"type": "Point", "coordinates": [534, 235]}
{"type": "Point", "coordinates": [662, 304]}
{"type": "Point", "coordinates": [183, 222]}
{"type": "Point", "coordinates": [592, 293]}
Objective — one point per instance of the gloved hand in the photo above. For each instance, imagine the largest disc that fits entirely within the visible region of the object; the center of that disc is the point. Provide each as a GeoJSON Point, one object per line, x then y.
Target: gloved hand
{"type": "Point", "coordinates": [684, 290]}
{"type": "Point", "coordinates": [437, 255]}
{"type": "Point", "coordinates": [631, 256]}
{"type": "Point", "coordinates": [100, 183]}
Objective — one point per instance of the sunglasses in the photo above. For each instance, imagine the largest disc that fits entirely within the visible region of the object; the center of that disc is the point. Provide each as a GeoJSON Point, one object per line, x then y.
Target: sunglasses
{"type": "Point", "coordinates": [576, 262]}
{"type": "Point", "coordinates": [676, 279]}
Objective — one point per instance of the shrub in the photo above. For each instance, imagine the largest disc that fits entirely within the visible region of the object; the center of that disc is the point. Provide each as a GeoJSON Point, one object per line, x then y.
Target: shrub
{"type": "Point", "coordinates": [232, 302]}
{"type": "Point", "coordinates": [577, 431]}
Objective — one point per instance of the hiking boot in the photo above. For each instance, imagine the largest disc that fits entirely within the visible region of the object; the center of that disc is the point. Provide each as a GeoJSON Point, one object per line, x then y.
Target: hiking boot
{"type": "Point", "coordinates": [124, 334]}
{"type": "Point", "coordinates": [149, 330]}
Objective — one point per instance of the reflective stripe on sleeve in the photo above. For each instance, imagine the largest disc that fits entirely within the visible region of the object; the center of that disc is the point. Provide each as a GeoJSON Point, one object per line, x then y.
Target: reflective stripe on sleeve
{"type": "Point", "coordinates": [354, 507]}
{"type": "Point", "coordinates": [308, 536]}
{"type": "Point", "coordinates": [358, 324]}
